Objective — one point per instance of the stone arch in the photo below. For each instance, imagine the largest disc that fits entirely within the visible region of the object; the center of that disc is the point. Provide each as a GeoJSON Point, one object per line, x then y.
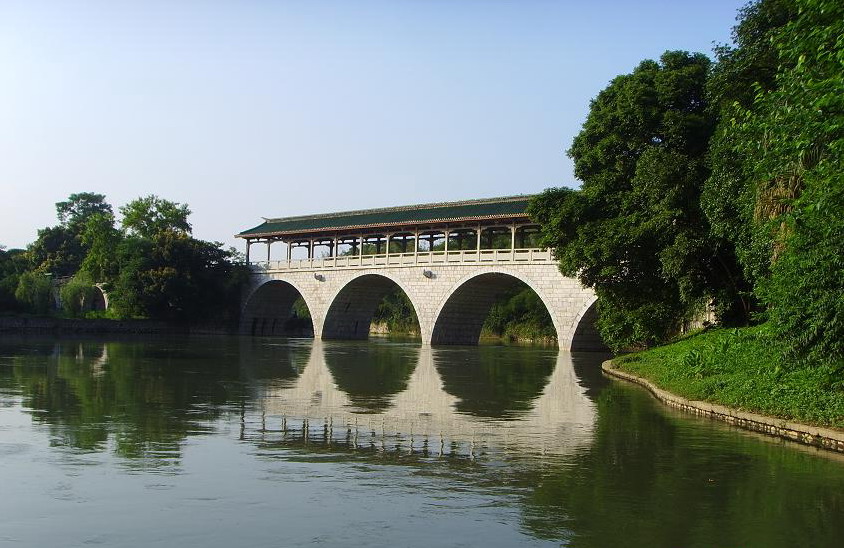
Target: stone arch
{"type": "Point", "coordinates": [583, 334]}
{"type": "Point", "coordinates": [99, 299]}
{"type": "Point", "coordinates": [269, 309]}
{"type": "Point", "coordinates": [350, 313]}
{"type": "Point", "coordinates": [461, 315]}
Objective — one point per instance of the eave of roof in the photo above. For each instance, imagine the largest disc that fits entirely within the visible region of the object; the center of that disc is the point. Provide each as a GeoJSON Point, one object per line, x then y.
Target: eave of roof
{"type": "Point", "coordinates": [444, 212]}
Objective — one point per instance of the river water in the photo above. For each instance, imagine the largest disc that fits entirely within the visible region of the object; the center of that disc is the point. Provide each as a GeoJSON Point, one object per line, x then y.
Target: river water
{"type": "Point", "coordinates": [272, 442]}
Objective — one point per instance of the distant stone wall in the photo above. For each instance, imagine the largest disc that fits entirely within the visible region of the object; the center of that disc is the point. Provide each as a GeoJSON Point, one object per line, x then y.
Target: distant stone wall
{"type": "Point", "coordinates": [14, 324]}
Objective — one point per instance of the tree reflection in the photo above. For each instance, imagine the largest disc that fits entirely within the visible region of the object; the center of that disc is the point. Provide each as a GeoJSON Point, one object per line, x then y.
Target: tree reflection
{"type": "Point", "coordinates": [638, 475]}
{"type": "Point", "coordinates": [144, 397]}
{"type": "Point", "coordinates": [494, 381]}
{"type": "Point", "coordinates": [272, 362]}
{"type": "Point", "coordinates": [654, 478]}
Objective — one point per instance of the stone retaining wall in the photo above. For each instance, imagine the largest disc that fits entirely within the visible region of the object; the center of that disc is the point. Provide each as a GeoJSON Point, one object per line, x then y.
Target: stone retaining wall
{"type": "Point", "coordinates": [16, 324]}
{"type": "Point", "coordinates": [825, 438]}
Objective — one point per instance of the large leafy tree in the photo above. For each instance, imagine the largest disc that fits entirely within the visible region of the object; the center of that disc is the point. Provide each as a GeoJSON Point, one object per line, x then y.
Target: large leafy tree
{"type": "Point", "coordinates": [792, 138]}
{"type": "Point", "coordinates": [173, 276]}
{"type": "Point", "coordinates": [34, 292]}
{"type": "Point", "coordinates": [150, 215]}
{"type": "Point", "coordinates": [57, 251]}
{"type": "Point", "coordinates": [159, 270]}
{"type": "Point", "coordinates": [74, 212]}
{"type": "Point", "coordinates": [102, 239]}
{"type": "Point", "coordinates": [60, 250]}
{"type": "Point", "coordinates": [738, 209]}
{"type": "Point", "coordinates": [635, 231]}
{"type": "Point", "coordinates": [13, 263]}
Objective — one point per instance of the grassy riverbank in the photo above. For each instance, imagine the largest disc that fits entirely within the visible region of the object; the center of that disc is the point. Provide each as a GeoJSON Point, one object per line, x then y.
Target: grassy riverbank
{"type": "Point", "coordinates": [744, 369]}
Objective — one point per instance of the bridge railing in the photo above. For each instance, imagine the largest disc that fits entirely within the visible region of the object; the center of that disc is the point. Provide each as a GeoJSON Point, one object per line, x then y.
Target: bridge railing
{"type": "Point", "coordinates": [466, 256]}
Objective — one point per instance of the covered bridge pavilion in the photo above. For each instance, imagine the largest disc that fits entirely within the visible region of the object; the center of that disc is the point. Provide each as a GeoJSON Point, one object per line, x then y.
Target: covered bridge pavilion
{"type": "Point", "coordinates": [453, 231]}
{"type": "Point", "coordinates": [453, 261]}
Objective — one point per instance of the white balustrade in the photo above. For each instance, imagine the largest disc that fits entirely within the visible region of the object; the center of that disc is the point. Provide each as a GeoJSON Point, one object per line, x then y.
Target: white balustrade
{"type": "Point", "coordinates": [472, 256]}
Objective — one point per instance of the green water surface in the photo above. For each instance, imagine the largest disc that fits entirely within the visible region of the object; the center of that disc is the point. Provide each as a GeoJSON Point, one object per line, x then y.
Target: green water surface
{"type": "Point", "coordinates": [273, 442]}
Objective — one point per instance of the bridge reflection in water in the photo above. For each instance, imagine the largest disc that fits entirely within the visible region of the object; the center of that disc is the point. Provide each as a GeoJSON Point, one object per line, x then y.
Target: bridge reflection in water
{"type": "Point", "coordinates": [407, 398]}
{"type": "Point", "coordinates": [341, 440]}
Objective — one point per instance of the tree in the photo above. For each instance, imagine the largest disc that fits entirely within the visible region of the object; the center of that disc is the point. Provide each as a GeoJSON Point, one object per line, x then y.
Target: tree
{"type": "Point", "coordinates": [150, 215]}
{"type": "Point", "coordinates": [78, 208]}
{"type": "Point", "coordinates": [13, 263]}
{"type": "Point", "coordinates": [34, 292]}
{"type": "Point", "coordinates": [793, 140]}
{"type": "Point", "coordinates": [152, 269]}
{"type": "Point", "coordinates": [635, 231]}
{"type": "Point", "coordinates": [397, 312]}
{"type": "Point", "coordinates": [78, 294]}
{"type": "Point", "coordinates": [737, 209]}
{"type": "Point", "coordinates": [57, 250]}
{"type": "Point", "coordinates": [520, 315]}
{"type": "Point", "coordinates": [175, 277]}
{"type": "Point", "coordinates": [102, 240]}
{"type": "Point", "coordinates": [60, 250]}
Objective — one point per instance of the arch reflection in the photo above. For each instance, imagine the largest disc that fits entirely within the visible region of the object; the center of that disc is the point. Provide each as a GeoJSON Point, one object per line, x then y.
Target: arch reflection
{"type": "Point", "coordinates": [371, 375]}
{"type": "Point", "coordinates": [344, 398]}
{"type": "Point", "coordinates": [273, 363]}
{"type": "Point", "coordinates": [494, 381]}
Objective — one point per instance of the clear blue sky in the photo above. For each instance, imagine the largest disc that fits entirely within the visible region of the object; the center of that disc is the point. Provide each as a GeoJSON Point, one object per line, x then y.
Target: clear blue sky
{"type": "Point", "coordinates": [244, 109]}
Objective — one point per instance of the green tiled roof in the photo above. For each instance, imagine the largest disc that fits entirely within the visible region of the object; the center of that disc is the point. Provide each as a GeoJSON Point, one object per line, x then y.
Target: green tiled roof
{"type": "Point", "coordinates": [470, 210]}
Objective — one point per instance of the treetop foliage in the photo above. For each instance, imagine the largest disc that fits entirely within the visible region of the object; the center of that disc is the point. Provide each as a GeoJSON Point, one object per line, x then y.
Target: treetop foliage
{"type": "Point", "coordinates": [74, 212]}
{"type": "Point", "coordinates": [147, 216]}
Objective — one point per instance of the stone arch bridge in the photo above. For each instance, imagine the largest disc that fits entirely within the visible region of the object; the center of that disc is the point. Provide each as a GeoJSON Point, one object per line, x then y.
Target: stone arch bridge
{"type": "Point", "coordinates": [452, 260]}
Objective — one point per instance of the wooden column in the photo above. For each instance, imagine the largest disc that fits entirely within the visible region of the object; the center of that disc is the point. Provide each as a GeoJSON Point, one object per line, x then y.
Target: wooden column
{"type": "Point", "coordinates": [269, 243]}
